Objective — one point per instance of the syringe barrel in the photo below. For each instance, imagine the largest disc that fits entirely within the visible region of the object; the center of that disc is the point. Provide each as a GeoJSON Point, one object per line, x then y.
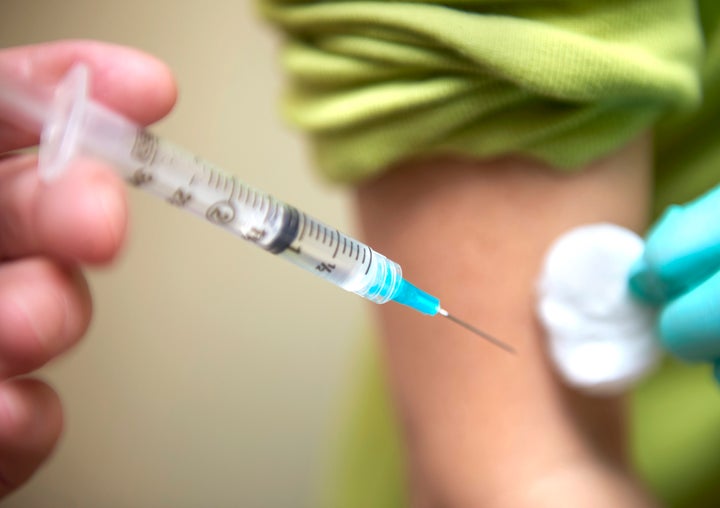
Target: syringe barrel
{"type": "Point", "coordinates": [186, 181]}
{"type": "Point", "coordinates": [342, 260]}
{"type": "Point", "coordinates": [195, 185]}
{"type": "Point", "coordinates": [76, 125]}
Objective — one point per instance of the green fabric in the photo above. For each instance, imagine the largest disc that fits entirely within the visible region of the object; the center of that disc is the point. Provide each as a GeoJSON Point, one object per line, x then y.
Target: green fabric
{"type": "Point", "coordinates": [676, 436]}
{"type": "Point", "coordinates": [688, 148]}
{"type": "Point", "coordinates": [367, 469]}
{"type": "Point", "coordinates": [373, 82]}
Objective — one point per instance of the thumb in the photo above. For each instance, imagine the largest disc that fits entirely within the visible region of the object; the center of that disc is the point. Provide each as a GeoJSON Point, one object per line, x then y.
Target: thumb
{"type": "Point", "coordinates": [682, 250]}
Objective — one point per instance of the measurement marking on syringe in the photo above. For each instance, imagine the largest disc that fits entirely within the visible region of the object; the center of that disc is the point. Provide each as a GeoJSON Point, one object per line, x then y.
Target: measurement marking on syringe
{"type": "Point", "coordinates": [338, 244]}
{"type": "Point", "coordinates": [302, 229]}
{"type": "Point", "coordinates": [312, 228]}
{"type": "Point", "coordinates": [273, 212]}
{"type": "Point", "coordinates": [357, 254]}
{"type": "Point", "coordinates": [324, 235]}
{"type": "Point", "coordinates": [369, 263]}
{"type": "Point", "coordinates": [332, 239]}
{"type": "Point", "coordinates": [233, 181]}
{"type": "Point", "coordinates": [344, 244]}
{"type": "Point", "coordinates": [364, 253]}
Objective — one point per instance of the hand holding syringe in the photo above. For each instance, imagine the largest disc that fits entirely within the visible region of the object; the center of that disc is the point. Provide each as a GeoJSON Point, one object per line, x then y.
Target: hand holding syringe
{"type": "Point", "coordinates": [71, 124]}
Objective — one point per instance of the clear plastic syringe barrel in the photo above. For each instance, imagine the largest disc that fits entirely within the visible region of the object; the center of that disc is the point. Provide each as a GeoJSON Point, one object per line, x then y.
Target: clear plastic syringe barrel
{"type": "Point", "coordinates": [188, 182]}
{"type": "Point", "coordinates": [72, 124]}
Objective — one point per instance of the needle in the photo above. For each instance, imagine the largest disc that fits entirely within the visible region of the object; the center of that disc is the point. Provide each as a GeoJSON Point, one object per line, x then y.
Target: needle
{"type": "Point", "coordinates": [477, 331]}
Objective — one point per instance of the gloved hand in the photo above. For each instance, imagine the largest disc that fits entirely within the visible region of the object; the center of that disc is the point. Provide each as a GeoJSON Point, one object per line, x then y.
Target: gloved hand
{"type": "Point", "coordinates": [680, 271]}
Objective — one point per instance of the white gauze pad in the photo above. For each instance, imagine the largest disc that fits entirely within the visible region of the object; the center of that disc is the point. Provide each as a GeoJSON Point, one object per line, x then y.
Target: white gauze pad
{"type": "Point", "coordinates": [600, 339]}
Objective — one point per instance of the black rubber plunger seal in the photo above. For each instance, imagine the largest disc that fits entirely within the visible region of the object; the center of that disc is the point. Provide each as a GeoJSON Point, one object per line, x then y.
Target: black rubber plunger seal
{"type": "Point", "coordinates": [288, 231]}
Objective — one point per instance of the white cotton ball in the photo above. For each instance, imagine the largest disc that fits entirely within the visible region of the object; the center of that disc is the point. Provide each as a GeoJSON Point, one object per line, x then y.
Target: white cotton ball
{"type": "Point", "coordinates": [600, 339]}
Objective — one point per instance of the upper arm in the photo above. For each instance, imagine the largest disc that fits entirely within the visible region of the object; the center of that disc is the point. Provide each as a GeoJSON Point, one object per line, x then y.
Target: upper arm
{"type": "Point", "coordinates": [477, 420]}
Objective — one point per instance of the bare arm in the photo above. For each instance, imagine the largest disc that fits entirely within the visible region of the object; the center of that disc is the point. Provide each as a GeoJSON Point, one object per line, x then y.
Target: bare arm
{"type": "Point", "coordinates": [482, 427]}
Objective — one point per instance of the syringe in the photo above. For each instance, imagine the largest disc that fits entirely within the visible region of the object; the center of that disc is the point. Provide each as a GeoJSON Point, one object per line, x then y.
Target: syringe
{"type": "Point", "coordinates": [70, 124]}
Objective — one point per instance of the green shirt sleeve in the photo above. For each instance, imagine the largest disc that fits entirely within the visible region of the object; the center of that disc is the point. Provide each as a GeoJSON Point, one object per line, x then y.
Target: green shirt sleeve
{"type": "Point", "coordinates": [687, 161]}
{"type": "Point", "coordinates": [375, 81]}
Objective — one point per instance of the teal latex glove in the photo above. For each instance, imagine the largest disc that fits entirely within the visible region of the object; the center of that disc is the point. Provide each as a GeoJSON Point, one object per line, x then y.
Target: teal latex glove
{"type": "Point", "coordinates": [680, 271]}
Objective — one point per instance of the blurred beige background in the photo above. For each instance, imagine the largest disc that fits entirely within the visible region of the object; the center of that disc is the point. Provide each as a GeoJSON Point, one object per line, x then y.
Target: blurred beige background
{"type": "Point", "coordinates": [212, 372]}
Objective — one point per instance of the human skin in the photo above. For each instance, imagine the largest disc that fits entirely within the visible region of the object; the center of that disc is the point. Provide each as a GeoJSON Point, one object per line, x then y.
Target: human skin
{"type": "Point", "coordinates": [48, 233]}
{"type": "Point", "coordinates": [482, 427]}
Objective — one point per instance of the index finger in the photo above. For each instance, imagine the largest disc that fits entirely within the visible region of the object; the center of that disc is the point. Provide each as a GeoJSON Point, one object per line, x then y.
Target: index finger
{"type": "Point", "coordinates": [682, 250]}
{"type": "Point", "coordinates": [128, 81]}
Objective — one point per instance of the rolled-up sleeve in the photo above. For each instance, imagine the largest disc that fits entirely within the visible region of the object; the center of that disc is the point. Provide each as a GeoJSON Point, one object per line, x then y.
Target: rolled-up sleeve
{"type": "Point", "coordinates": [374, 82]}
